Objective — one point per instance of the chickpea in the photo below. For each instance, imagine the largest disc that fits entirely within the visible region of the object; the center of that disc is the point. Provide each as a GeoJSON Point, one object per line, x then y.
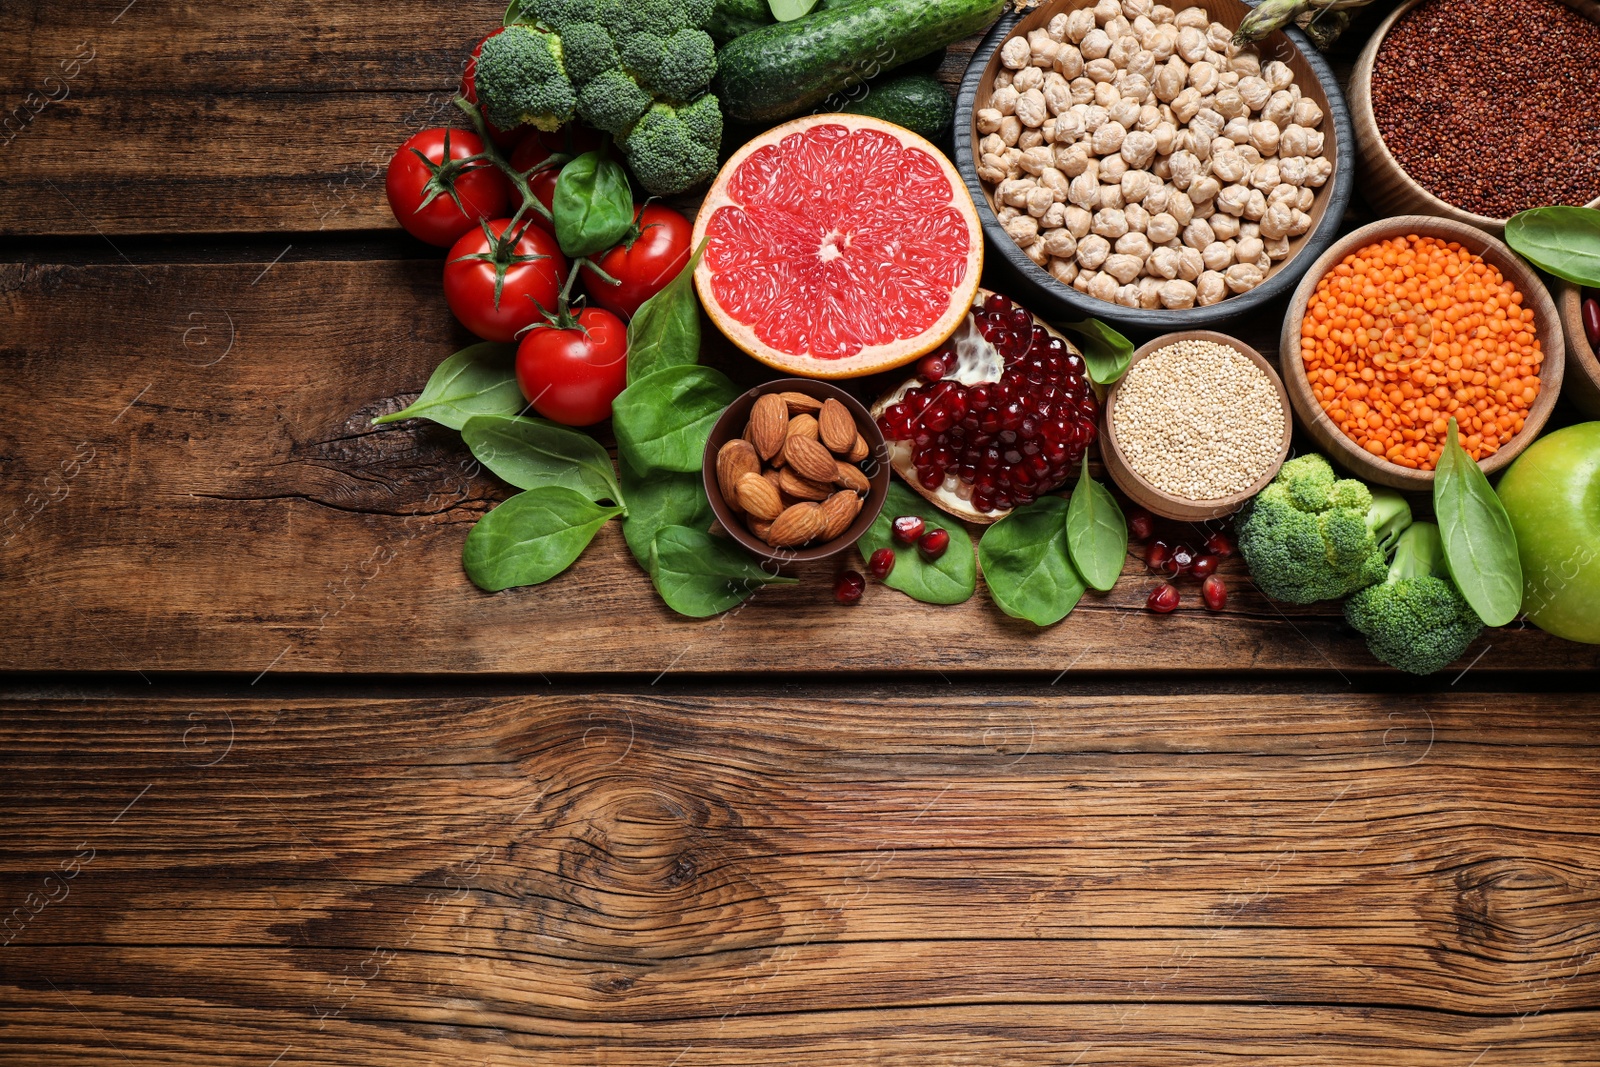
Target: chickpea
{"type": "Point", "coordinates": [1069, 61]}
{"type": "Point", "coordinates": [1064, 271]}
{"type": "Point", "coordinates": [1079, 23]}
{"type": "Point", "coordinates": [1042, 48]}
{"type": "Point", "coordinates": [1226, 227]}
{"type": "Point", "coordinates": [1264, 138]}
{"type": "Point", "coordinates": [1093, 251]}
{"type": "Point", "coordinates": [1085, 190]}
{"type": "Point", "coordinates": [1162, 229]}
{"type": "Point", "coordinates": [1134, 244]}
{"type": "Point", "coordinates": [1010, 129]}
{"type": "Point", "coordinates": [1198, 234]}
{"type": "Point", "coordinates": [1057, 29]}
{"type": "Point", "coordinates": [1055, 218]}
{"type": "Point", "coordinates": [1024, 229]}
{"type": "Point", "coordinates": [1210, 288]}
{"type": "Point", "coordinates": [1256, 207]}
{"type": "Point", "coordinates": [1138, 218]}
{"type": "Point", "coordinates": [1015, 53]}
{"type": "Point", "coordinates": [1190, 263]}
{"type": "Point", "coordinates": [1030, 138]}
{"type": "Point", "coordinates": [1243, 277]}
{"type": "Point", "coordinates": [1062, 244]}
{"type": "Point", "coordinates": [1306, 113]}
{"type": "Point", "coordinates": [1111, 196]}
{"type": "Point", "coordinates": [1180, 207]}
{"type": "Point", "coordinates": [1058, 183]}
{"type": "Point", "coordinates": [1277, 75]}
{"type": "Point", "coordinates": [1163, 263]}
{"type": "Point", "coordinates": [1177, 294]}
{"type": "Point", "coordinates": [1078, 221]}
{"type": "Point", "coordinates": [1108, 138]}
{"type": "Point", "coordinates": [1122, 267]}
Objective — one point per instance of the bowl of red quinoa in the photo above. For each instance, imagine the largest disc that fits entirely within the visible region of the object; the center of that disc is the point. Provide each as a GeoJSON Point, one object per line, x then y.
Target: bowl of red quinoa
{"type": "Point", "coordinates": [1472, 110]}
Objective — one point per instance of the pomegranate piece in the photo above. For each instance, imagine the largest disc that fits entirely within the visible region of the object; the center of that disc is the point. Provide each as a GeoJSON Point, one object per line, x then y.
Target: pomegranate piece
{"type": "Point", "coordinates": [907, 529]}
{"type": "Point", "coordinates": [1205, 566]}
{"type": "Point", "coordinates": [881, 563]}
{"type": "Point", "coordinates": [933, 544]}
{"type": "Point", "coordinates": [935, 364]}
{"type": "Point", "coordinates": [849, 587]}
{"type": "Point", "coordinates": [1141, 524]}
{"type": "Point", "coordinates": [1220, 544]}
{"type": "Point", "coordinates": [1155, 555]}
{"type": "Point", "coordinates": [1163, 599]}
{"type": "Point", "coordinates": [1214, 593]}
{"type": "Point", "coordinates": [1180, 560]}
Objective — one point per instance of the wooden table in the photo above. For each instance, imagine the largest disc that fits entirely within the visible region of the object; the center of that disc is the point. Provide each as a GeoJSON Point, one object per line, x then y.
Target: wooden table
{"type": "Point", "coordinates": [280, 787]}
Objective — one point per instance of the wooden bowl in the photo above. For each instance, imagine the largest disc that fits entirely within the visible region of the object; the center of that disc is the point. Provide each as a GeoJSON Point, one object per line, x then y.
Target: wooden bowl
{"type": "Point", "coordinates": [731, 423]}
{"type": "Point", "coordinates": [1165, 504]}
{"type": "Point", "coordinates": [1036, 288]}
{"type": "Point", "coordinates": [1583, 365]}
{"type": "Point", "coordinates": [1384, 183]}
{"type": "Point", "coordinates": [1344, 451]}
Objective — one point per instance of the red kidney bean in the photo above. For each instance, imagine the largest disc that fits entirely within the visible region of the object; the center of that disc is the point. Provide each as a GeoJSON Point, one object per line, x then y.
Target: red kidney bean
{"type": "Point", "coordinates": [1591, 321]}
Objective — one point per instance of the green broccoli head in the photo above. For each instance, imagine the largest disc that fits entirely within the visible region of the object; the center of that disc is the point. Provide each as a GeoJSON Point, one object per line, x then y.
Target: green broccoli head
{"type": "Point", "coordinates": [641, 53]}
{"type": "Point", "coordinates": [558, 14]}
{"type": "Point", "coordinates": [612, 102]}
{"type": "Point", "coordinates": [521, 79]}
{"type": "Point", "coordinates": [672, 150]}
{"type": "Point", "coordinates": [587, 51]}
{"type": "Point", "coordinates": [1416, 619]}
{"type": "Point", "coordinates": [688, 63]}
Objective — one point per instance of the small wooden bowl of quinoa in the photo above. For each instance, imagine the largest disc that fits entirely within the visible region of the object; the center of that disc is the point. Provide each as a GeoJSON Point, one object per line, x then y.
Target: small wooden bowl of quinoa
{"type": "Point", "coordinates": [1197, 426]}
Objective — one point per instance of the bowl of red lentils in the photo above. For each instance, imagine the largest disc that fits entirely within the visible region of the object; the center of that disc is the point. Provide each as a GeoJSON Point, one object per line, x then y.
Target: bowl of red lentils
{"type": "Point", "coordinates": [1474, 111]}
{"type": "Point", "coordinates": [1409, 322]}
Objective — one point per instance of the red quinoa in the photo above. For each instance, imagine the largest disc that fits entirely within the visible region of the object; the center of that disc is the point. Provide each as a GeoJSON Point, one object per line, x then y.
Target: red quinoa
{"type": "Point", "coordinates": [1491, 105]}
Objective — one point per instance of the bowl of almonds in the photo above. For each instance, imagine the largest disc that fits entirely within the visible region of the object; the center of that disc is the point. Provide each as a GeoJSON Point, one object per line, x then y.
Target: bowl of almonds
{"type": "Point", "coordinates": [796, 469]}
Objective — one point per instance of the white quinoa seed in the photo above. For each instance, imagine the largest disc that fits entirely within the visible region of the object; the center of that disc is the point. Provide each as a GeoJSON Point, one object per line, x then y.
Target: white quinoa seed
{"type": "Point", "coordinates": [1198, 420]}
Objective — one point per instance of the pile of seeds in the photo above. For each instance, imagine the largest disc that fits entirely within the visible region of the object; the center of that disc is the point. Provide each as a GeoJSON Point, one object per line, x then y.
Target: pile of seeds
{"type": "Point", "coordinates": [1198, 420]}
{"type": "Point", "coordinates": [1490, 106]}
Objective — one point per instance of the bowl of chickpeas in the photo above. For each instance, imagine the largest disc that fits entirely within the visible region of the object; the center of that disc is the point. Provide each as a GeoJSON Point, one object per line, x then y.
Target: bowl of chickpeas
{"type": "Point", "coordinates": [1130, 162]}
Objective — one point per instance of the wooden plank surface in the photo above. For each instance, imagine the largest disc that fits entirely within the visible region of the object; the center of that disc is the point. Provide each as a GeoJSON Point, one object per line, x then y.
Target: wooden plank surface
{"type": "Point", "coordinates": [197, 486]}
{"type": "Point", "coordinates": [939, 875]}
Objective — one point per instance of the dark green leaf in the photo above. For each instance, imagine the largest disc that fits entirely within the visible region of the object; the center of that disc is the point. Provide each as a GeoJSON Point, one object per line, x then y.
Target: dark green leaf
{"type": "Point", "coordinates": [659, 500]}
{"type": "Point", "coordinates": [666, 331]}
{"type": "Point", "coordinates": [1564, 241]}
{"type": "Point", "coordinates": [700, 575]}
{"type": "Point", "coordinates": [663, 419]}
{"type": "Point", "coordinates": [593, 206]}
{"type": "Point", "coordinates": [531, 538]}
{"type": "Point", "coordinates": [1026, 566]}
{"type": "Point", "coordinates": [1105, 351]}
{"type": "Point", "coordinates": [950, 579]}
{"type": "Point", "coordinates": [533, 453]}
{"type": "Point", "coordinates": [1480, 546]}
{"type": "Point", "coordinates": [480, 380]}
{"type": "Point", "coordinates": [1097, 533]}
{"type": "Point", "coordinates": [789, 10]}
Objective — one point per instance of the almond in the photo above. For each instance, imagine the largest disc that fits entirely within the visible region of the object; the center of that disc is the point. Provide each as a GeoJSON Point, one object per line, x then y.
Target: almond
{"type": "Point", "coordinates": [768, 419]}
{"type": "Point", "coordinates": [837, 427]}
{"type": "Point", "coordinates": [838, 512]}
{"type": "Point", "coordinates": [759, 497]}
{"type": "Point", "coordinates": [761, 528]}
{"type": "Point", "coordinates": [809, 459]}
{"type": "Point", "coordinates": [800, 404]}
{"type": "Point", "coordinates": [775, 479]}
{"type": "Point", "coordinates": [797, 487]}
{"type": "Point", "coordinates": [735, 459]}
{"type": "Point", "coordinates": [848, 476]}
{"type": "Point", "coordinates": [859, 450]}
{"type": "Point", "coordinates": [804, 425]}
{"type": "Point", "coordinates": [798, 525]}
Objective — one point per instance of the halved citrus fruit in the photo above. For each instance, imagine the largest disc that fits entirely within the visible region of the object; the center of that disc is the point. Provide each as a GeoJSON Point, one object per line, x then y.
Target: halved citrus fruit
{"type": "Point", "coordinates": [839, 245]}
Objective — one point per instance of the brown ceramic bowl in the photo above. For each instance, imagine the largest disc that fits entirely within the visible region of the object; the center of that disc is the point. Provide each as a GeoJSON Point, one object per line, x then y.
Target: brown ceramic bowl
{"type": "Point", "coordinates": [1342, 449]}
{"type": "Point", "coordinates": [1384, 183]}
{"type": "Point", "coordinates": [1583, 364]}
{"type": "Point", "coordinates": [731, 424]}
{"type": "Point", "coordinates": [1165, 504]}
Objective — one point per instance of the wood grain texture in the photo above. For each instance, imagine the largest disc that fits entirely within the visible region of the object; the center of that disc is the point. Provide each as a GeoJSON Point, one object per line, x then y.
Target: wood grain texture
{"type": "Point", "coordinates": [178, 504]}
{"type": "Point", "coordinates": [1582, 385]}
{"type": "Point", "coordinates": [657, 877]}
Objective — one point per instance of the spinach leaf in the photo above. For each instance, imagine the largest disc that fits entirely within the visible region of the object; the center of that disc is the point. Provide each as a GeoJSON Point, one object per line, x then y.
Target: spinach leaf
{"type": "Point", "coordinates": [593, 206]}
{"type": "Point", "coordinates": [950, 579]}
{"type": "Point", "coordinates": [666, 331]}
{"type": "Point", "coordinates": [1026, 564]}
{"type": "Point", "coordinates": [1564, 241]}
{"type": "Point", "coordinates": [534, 453]}
{"type": "Point", "coordinates": [700, 575]}
{"type": "Point", "coordinates": [663, 419]}
{"type": "Point", "coordinates": [1106, 352]}
{"type": "Point", "coordinates": [660, 500]}
{"type": "Point", "coordinates": [789, 10]}
{"type": "Point", "coordinates": [1097, 533]}
{"type": "Point", "coordinates": [531, 538]}
{"type": "Point", "coordinates": [479, 380]}
{"type": "Point", "coordinates": [1480, 547]}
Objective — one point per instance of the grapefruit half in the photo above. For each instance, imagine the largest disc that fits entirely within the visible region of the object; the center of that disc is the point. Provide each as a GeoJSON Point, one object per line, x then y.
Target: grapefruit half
{"type": "Point", "coordinates": [840, 245]}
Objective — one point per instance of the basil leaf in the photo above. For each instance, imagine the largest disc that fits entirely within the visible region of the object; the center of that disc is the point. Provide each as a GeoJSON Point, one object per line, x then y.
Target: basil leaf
{"type": "Point", "coordinates": [1564, 241]}
{"type": "Point", "coordinates": [950, 579]}
{"type": "Point", "coordinates": [480, 380]}
{"type": "Point", "coordinates": [531, 538]}
{"type": "Point", "coordinates": [665, 332]}
{"type": "Point", "coordinates": [1480, 547]}
{"type": "Point", "coordinates": [1026, 564]}
{"type": "Point", "coordinates": [663, 419]}
{"type": "Point", "coordinates": [660, 500]}
{"type": "Point", "coordinates": [1097, 533]}
{"type": "Point", "coordinates": [534, 453]}
{"type": "Point", "coordinates": [789, 10]}
{"type": "Point", "coordinates": [1106, 353]}
{"type": "Point", "coordinates": [700, 575]}
{"type": "Point", "coordinates": [593, 206]}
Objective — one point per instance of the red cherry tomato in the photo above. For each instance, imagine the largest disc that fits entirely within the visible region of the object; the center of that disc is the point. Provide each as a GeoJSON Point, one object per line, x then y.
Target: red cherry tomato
{"type": "Point", "coordinates": [483, 190]}
{"type": "Point", "coordinates": [644, 267]}
{"type": "Point", "coordinates": [572, 376]}
{"type": "Point", "coordinates": [469, 90]}
{"type": "Point", "coordinates": [539, 146]}
{"type": "Point", "coordinates": [530, 285]}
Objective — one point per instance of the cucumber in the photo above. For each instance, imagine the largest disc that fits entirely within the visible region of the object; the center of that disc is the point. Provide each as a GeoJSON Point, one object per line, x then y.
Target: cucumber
{"type": "Point", "coordinates": [915, 101]}
{"type": "Point", "coordinates": [735, 18]}
{"type": "Point", "coordinates": [786, 69]}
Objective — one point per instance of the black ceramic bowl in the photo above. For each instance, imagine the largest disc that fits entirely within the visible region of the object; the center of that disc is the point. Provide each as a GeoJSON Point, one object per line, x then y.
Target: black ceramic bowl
{"type": "Point", "coordinates": [1036, 288]}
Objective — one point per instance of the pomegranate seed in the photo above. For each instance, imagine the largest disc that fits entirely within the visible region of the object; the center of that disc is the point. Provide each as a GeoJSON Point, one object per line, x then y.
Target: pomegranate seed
{"type": "Point", "coordinates": [849, 587]}
{"type": "Point", "coordinates": [1163, 599]}
{"type": "Point", "coordinates": [908, 528]}
{"type": "Point", "coordinates": [931, 367]}
{"type": "Point", "coordinates": [1155, 555]}
{"type": "Point", "coordinates": [1220, 544]}
{"type": "Point", "coordinates": [1180, 560]}
{"type": "Point", "coordinates": [933, 544]}
{"type": "Point", "coordinates": [1214, 593]}
{"type": "Point", "coordinates": [1205, 566]}
{"type": "Point", "coordinates": [881, 563]}
{"type": "Point", "coordinates": [1141, 524]}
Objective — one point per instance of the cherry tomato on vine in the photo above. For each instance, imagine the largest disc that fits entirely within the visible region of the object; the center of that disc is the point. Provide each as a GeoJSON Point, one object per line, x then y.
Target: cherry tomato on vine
{"type": "Point", "coordinates": [469, 90]}
{"type": "Point", "coordinates": [539, 146]}
{"type": "Point", "coordinates": [533, 270]}
{"type": "Point", "coordinates": [424, 189]}
{"type": "Point", "coordinates": [571, 376]}
{"type": "Point", "coordinates": [643, 263]}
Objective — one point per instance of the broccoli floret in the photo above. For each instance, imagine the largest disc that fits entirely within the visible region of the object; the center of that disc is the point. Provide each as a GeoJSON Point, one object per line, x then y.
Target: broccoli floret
{"type": "Point", "coordinates": [1309, 536]}
{"type": "Point", "coordinates": [613, 102]}
{"type": "Point", "coordinates": [558, 15]}
{"type": "Point", "coordinates": [672, 150]}
{"type": "Point", "coordinates": [688, 63]}
{"type": "Point", "coordinates": [587, 51]}
{"type": "Point", "coordinates": [1416, 620]}
{"type": "Point", "coordinates": [641, 52]}
{"type": "Point", "coordinates": [521, 79]}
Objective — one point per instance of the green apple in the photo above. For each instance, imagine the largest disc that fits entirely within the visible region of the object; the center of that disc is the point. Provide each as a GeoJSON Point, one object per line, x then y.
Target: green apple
{"type": "Point", "coordinates": [1552, 493]}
